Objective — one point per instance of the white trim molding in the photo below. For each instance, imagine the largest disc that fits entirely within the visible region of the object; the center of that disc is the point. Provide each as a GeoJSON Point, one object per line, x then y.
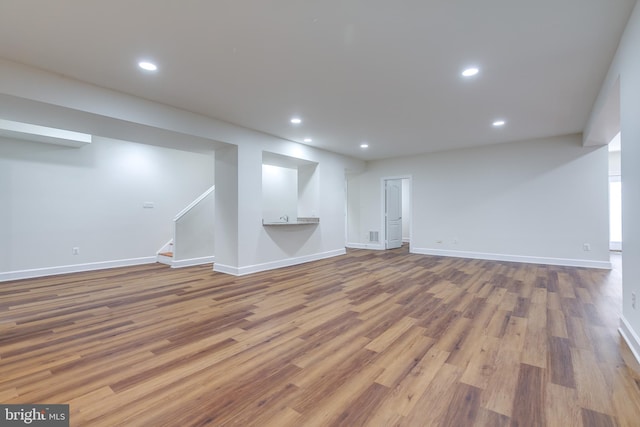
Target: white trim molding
{"type": "Point", "coordinates": [630, 337]}
{"type": "Point", "coordinates": [372, 246]}
{"type": "Point", "coordinates": [192, 262]}
{"type": "Point", "coordinates": [242, 271]}
{"type": "Point", "coordinates": [193, 204]}
{"type": "Point", "coordinates": [75, 268]}
{"type": "Point", "coordinates": [606, 265]}
{"type": "Point", "coordinates": [226, 269]}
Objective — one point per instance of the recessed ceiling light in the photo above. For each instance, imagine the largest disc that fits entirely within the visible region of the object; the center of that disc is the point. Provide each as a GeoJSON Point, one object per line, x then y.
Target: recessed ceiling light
{"type": "Point", "coordinates": [364, 145]}
{"type": "Point", "coordinates": [296, 120]}
{"type": "Point", "coordinates": [499, 123]}
{"type": "Point", "coordinates": [307, 140]}
{"type": "Point", "coordinates": [148, 66]}
{"type": "Point", "coordinates": [470, 72]}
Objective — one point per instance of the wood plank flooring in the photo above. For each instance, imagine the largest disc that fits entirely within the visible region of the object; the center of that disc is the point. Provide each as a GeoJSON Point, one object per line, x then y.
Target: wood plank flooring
{"type": "Point", "coordinates": [367, 339]}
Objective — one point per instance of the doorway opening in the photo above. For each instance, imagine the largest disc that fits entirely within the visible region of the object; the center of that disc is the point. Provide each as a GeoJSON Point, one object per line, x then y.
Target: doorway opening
{"type": "Point", "coordinates": [396, 211]}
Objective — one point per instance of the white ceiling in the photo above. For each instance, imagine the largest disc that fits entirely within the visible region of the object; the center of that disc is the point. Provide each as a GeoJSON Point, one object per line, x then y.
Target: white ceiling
{"type": "Point", "coordinates": [384, 72]}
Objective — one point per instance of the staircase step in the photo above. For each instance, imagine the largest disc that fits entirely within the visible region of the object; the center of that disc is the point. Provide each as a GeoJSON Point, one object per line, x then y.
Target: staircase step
{"type": "Point", "coordinates": [167, 254]}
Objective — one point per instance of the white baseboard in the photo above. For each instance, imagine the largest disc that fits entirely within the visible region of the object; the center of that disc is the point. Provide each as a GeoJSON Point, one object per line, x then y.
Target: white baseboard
{"type": "Point", "coordinates": [193, 261]}
{"type": "Point", "coordinates": [631, 338]}
{"type": "Point", "coordinates": [241, 271]}
{"type": "Point", "coordinates": [372, 246]}
{"type": "Point", "coordinates": [514, 258]}
{"type": "Point", "coordinates": [226, 269]}
{"type": "Point", "coordinates": [166, 260]}
{"type": "Point", "coordinates": [76, 268]}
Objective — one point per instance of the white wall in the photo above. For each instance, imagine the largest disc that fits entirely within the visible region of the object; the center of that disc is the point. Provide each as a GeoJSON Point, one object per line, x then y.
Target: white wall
{"type": "Point", "coordinates": [263, 247]}
{"type": "Point", "coordinates": [406, 212]}
{"type": "Point", "coordinates": [242, 243]}
{"type": "Point", "coordinates": [308, 190]}
{"type": "Point", "coordinates": [615, 163]}
{"type": "Point", "coordinates": [55, 198]}
{"type": "Point", "coordinates": [279, 193]}
{"type": "Point", "coordinates": [625, 68]}
{"type": "Point", "coordinates": [356, 235]}
{"type": "Point", "coordinates": [195, 232]}
{"type": "Point", "coordinates": [226, 206]}
{"type": "Point", "coordinates": [528, 201]}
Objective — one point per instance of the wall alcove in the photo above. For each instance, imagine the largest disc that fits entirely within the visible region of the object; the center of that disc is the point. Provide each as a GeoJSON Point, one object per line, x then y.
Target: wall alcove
{"type": "Point", "coordinates": [290, 190]}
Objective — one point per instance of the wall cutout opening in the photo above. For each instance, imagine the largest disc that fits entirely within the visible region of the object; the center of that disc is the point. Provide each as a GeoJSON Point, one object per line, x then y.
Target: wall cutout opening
{"type": "Point", "coordinates": [290, 190]}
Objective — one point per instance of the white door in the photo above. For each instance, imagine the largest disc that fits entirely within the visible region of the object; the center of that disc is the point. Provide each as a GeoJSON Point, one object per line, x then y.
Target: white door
{"type": "Point", "coordinates": [393, 213]}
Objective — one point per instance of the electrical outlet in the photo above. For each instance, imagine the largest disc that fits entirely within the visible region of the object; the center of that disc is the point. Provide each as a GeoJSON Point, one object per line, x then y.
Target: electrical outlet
{"type": "Point", "coordinates": [633, 300]}
{"type": "Point", "coordinates": [586, 247]}
{"type": "Point", "coordinates": [75, 250]}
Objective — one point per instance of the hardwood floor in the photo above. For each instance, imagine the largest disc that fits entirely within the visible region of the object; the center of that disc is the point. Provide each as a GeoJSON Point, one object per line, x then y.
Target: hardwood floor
{"type": "Point", "coordinates": [367, 339]}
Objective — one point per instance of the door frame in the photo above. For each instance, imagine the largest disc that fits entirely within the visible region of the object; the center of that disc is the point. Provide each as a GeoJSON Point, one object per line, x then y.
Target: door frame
{"type": "Point", "coordinates": [383, 208]}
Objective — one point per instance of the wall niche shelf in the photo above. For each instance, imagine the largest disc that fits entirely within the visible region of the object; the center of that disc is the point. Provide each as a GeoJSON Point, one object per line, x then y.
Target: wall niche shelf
{"type": "Point", "coordinates": [298, 221]}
